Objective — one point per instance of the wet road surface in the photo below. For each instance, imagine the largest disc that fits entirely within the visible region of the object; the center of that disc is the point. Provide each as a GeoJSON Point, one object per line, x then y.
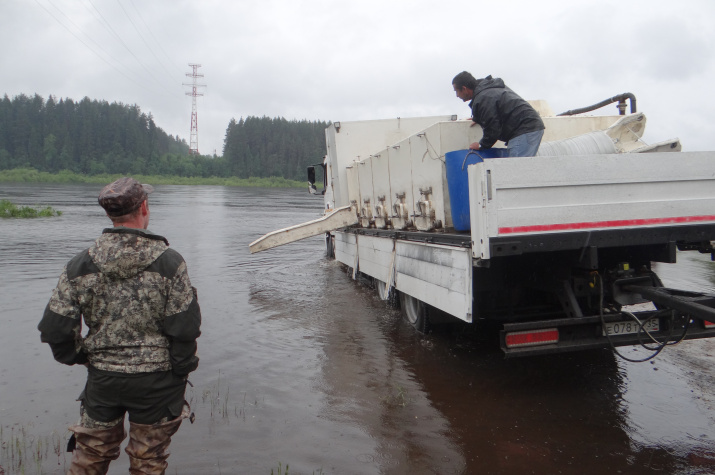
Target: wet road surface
{"type": "Point", "coordinates": [302, 366]}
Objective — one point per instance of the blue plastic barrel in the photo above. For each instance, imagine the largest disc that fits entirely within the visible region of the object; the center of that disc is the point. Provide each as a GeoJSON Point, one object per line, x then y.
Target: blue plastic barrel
{"type": "Point", "coordinates": [457, 183]}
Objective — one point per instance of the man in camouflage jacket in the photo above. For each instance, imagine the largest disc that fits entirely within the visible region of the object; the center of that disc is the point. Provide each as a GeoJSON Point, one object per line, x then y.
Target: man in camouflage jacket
{"type": "Point", "coordinates": [143, 319]}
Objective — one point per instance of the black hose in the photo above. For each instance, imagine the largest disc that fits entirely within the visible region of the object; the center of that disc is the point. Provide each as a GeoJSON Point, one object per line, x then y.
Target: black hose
{"type": "Point", "coordinates": [661, 345]}
{"type": "Point", "coordinates": [621, 98]}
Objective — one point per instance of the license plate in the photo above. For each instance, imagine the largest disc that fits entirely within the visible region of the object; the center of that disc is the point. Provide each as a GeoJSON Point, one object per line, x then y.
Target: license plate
{"type": "Point", "coordinates": [629, 327]}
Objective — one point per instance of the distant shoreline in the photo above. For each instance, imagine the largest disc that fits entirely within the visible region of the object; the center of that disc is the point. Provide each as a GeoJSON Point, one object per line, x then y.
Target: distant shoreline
{"type": "Point", "coordinates": [30, 175]}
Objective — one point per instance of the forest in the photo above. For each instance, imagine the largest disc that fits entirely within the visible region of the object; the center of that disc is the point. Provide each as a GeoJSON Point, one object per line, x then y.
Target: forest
{"type": "Point", "coordinates": [94, 137]}
{"type": "Point", "coordinates": [263, 147]}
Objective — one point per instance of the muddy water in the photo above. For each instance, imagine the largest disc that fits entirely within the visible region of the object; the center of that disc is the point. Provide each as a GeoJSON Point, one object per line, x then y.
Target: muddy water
{"type": "Point", "coordinates": [303, 367]}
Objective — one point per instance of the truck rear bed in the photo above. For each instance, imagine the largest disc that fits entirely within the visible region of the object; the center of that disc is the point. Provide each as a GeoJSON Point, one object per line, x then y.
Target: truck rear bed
{"type": "Point", "coordinates": [570, 201]}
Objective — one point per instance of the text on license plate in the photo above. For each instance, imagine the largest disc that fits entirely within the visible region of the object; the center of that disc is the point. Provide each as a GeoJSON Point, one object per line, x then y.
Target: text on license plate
{"type": "Point", "coordinates": [630, 326]}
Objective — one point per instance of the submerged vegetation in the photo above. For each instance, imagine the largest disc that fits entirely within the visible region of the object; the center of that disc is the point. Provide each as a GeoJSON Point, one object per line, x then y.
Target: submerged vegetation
{"type": "Point", "coordinates": [22, 452]}
{"type": "Point", "coordinates": [281, 470]}
{"type": "Point", "coordinates": [10, 210]}
{"type": "Point", "coordinates": [30, 175]}
{"type": "Point", "coordinates": [397, 398]}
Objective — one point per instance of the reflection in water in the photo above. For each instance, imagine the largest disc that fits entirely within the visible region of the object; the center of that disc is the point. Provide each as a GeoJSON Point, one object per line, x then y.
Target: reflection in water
{"type": "Point", "coordinates": [300, 365]}
{"type": "Point", "coordinates": [369, 388]}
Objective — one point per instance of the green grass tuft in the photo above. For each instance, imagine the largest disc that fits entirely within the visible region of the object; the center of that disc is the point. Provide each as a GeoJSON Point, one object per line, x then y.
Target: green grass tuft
{"type": "Point", "coordinates": [10, 210]}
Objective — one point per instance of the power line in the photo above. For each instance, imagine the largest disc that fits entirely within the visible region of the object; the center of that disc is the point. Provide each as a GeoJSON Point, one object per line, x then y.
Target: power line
{"type": "Point", "coordinates": [108, 27]}
{"type": "Point", "coordinates": [154, 37]}
{"type": "Point", "coordinates": [143, 39]}
{"type": "Point", "coordinates": [83, 42]}
{"type": "Point", "coordinates": [119, 38]}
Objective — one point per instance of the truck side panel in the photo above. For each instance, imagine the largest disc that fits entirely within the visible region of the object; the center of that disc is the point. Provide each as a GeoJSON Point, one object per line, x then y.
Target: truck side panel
{"type": "Point", "coordinates": [346, 248]}
{"type": "Point", "coordinates": [435, 274]}
{"type": "Point", "coordinates": [375, 256]}
{"type": "Point", "coordinates": [438, 275]}
{"type": "Point", "coordinates": [560, 194]}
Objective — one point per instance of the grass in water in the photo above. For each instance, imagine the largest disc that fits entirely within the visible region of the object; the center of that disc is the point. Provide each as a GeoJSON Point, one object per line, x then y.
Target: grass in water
{"type": "Point", "coordinates": [285, 470]}
{"type": "Point", "coordinates": [10, 210]}
{"type": "Point", "coordinates": [398, 398]}
{"type": "Point", "coordinates": [22, 452]}
{"type": "Point", "coordinates": [280, 471]}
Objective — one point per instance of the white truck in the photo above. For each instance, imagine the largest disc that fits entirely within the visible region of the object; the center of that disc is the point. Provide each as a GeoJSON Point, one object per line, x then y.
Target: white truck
{"type": "Point", "coordinates": [556, 249]}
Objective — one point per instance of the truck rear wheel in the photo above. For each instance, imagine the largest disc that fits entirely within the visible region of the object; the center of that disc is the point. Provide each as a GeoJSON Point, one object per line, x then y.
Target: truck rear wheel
{"type": "Point", "coordinates": [416, 312]}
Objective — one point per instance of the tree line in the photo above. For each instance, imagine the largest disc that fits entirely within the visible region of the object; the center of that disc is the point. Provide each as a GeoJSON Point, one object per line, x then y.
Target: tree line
{"type": "Point", "coordinates": [264, 146]}
{"type": "Point", "coordinates": [95, 137]}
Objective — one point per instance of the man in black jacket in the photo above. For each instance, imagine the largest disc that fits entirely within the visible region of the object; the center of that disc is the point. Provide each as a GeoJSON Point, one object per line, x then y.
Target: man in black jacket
{"type": "Point", "coordinates": [143, 318]}
{"type": "Point", "coordinates": [501, 113]}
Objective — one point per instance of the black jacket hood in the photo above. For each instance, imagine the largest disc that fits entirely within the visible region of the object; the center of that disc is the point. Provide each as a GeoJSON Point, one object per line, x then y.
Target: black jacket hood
{"type": "Point", "coordinates": [488, 83]}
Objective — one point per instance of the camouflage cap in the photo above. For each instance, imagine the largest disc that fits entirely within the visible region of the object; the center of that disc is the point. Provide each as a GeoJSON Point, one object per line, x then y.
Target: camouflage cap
{"type": "Point", "coordinates": [123, 196]}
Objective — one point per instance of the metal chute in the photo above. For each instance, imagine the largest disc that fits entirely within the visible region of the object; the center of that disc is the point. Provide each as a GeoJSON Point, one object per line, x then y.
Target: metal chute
{"type": "Point", "coordinates": [336, 219]}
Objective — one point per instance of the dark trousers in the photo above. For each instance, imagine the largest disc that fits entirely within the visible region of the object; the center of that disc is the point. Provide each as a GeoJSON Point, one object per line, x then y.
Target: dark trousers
{"type": "Point", "coordinates": [147, 397]}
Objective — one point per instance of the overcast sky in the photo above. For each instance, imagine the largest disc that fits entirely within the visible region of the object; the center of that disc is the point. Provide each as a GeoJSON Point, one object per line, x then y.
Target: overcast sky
{"type": "Point", "coordinates": [363, 59]}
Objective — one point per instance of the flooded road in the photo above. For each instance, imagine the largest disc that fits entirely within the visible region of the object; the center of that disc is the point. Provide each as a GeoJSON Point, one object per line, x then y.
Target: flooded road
{"type": "Point", "coordinates": [303, 367]}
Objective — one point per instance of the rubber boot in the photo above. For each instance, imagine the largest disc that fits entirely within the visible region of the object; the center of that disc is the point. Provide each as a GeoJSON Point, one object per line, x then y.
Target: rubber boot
{"type": "Point", "coordinates": [148, 446]}
{"type": "Point", "coordinates": [95, 448]}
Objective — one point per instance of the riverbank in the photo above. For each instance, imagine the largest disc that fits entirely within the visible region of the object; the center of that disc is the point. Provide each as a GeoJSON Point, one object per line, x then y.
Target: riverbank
{"type": "Point", "coordinates": [30, 175]}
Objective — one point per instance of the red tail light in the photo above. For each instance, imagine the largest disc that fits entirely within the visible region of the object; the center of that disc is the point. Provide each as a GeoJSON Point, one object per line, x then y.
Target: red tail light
{"type": "Point", "coordinates": [709, 324]}
{"type": "Point", "coordinates": [532, 337]}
